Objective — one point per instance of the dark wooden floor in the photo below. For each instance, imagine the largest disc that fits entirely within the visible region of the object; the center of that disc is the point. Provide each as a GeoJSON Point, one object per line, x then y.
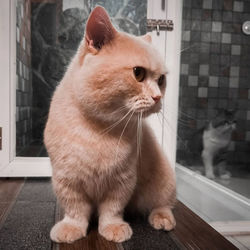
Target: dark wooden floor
{"type": "Point", "coordinates": [28, 209]}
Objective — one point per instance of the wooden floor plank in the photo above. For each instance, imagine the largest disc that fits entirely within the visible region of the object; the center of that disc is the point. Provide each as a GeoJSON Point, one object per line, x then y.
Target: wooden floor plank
{"type": "Point", "coordinates": [194, 233]}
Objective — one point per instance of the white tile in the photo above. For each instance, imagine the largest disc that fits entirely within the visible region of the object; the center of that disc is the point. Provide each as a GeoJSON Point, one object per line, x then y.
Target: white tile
{"type": "Point", "coordinates": [238, 6]}
{"type": "Point", "coordinates": [216, 26]}
{"type": "Point", "coordinates": [192, 80]}
{"type": "Point", "coordinates": [234, 71]}
{"type": "Point", "coordinates": [207, 4]}
{"type": "Point", "coordinates": [202, 92]}
{"type": "Point", "coordinates": [204, 68]}
{"type": "Point", "coordinates": [20, 68]}
{"type": "Point", "coordinates": [226, 38]}
{"type": "Point", "coordinates": [184, 69]}
{"type": "Point", "coordinates": [234, 82]}
{"type": "Point", "coordinates": [186, 35]}
{"type": "Point", "coordinates": [235, 49]}
{"type": "Point", "coordinates": [213, 81]}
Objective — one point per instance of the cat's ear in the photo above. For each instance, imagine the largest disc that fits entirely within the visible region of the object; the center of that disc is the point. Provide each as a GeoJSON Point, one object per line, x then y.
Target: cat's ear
{"type": "Point", "coordinates": [147, 38]}
{"type": "Point", "coordinates": [99, 29]}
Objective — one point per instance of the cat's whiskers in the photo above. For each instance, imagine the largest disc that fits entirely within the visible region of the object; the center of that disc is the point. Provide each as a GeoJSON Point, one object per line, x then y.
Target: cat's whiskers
{"type": "Point", "coordinates": [140, 137]}
{"type": "Point", "coordinates": [117, 147]}
{"type": "Point", "coordinates": [167, 123]}
{"type": "Point", "coordinates": [106, 130]}
{"type": "Point", "coordinates": [181, 121]}
{"type": "Point", "coordinates": [185, 123]}
{"type": "Point", "coordinates": [139, 134]}
{"type": "Point", "coordinates": [119, 110]}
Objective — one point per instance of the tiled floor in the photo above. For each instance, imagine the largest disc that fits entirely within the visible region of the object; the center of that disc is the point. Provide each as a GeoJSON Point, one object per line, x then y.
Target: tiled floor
{"type": "Point", "coordinates": [28, 210]}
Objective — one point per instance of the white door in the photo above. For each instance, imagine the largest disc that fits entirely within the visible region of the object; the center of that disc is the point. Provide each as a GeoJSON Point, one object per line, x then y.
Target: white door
{"type": "Point", "coordinates": [5, 49]}
{"type": "Point", "coordinates": [37, 40]}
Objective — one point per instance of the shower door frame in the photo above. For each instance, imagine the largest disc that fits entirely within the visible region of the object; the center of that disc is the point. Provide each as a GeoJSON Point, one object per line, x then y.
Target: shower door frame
{"type": "Point", "coordinates": [12, 166]}
{"type": "Point", "coordinates": [236, 206]}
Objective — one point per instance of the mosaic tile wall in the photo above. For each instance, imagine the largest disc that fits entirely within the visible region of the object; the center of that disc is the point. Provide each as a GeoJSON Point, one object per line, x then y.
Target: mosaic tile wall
{"type": "Point", "coordinates": [215, 65]}
{"type": "Point", "coordinates": [23, 76]}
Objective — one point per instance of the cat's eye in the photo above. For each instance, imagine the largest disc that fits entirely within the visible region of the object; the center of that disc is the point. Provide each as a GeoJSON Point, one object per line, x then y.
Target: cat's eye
{"type": "Point", "coordinates": [161, 80]}
{"type": "Point", "coordinates": [139, 73]}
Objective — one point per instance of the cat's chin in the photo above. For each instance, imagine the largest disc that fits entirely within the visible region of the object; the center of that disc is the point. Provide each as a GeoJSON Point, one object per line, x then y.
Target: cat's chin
{"type": "Point", "coordinates": [152, 110]}
{"type": "Point", "coordinates": [149, 112]}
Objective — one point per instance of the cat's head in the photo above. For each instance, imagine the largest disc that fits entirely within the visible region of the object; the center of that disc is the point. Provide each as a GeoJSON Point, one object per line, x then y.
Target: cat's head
{"type": "Point", "coordinates": [224, 120]}
{"type": "Point", "coordinates": [115, 72]}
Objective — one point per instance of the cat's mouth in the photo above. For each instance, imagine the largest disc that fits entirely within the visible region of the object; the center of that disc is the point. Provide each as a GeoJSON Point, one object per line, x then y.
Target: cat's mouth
{"type": "Point", "coordinates": [149, 109]}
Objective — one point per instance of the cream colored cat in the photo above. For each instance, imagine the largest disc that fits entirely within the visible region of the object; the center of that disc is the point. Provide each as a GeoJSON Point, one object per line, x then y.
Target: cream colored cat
{"type": "Point", "coordinates": [104, 155]}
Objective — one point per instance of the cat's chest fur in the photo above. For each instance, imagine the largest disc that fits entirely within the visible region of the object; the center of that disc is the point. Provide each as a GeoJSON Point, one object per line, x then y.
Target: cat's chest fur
{"type": "Point", "coordinates": [215, 140]}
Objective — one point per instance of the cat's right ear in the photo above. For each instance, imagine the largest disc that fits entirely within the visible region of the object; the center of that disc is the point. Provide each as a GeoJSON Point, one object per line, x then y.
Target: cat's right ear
{"type": "Point", "coordinates": [99, 30]}
{"type": "Point", "coordinates": [147, 38]}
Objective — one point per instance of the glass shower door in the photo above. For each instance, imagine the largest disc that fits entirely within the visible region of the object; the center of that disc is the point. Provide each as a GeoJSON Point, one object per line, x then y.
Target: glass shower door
{"type": "Point", "coordinates": [214, 102]}
{"type": "Point", "coordinates": [47, 36]}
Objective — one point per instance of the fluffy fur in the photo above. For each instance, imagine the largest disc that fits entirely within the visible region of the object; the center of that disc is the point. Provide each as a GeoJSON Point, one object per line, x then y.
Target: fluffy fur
{"type": "Point", "coordinates": [104, 155]}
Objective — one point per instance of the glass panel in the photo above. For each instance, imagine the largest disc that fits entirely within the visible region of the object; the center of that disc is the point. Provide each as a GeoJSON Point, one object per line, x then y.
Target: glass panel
{"type": "Point", "coordinates": [214, 103]}
{"type": "Point", "coordinates": [48, 34]}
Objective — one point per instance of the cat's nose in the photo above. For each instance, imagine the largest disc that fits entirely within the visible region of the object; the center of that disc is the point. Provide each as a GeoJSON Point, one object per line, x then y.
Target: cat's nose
{"type": "Point", "coordinates": [156, 98]}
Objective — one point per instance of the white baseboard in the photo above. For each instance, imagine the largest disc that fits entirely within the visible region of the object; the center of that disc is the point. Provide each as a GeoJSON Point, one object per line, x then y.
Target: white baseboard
{"type": "Point", "coordinates": [28, 167]}
{"type": "Point", "coordinates": [210, 200]}
{"type": "Point", "coordinates": [232, 228]}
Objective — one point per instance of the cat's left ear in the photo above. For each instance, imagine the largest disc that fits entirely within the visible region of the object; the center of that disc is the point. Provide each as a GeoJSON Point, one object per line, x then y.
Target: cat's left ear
{"type": "Point", "coordinates": [99, 30]}
{"type": "Point", "coordinates": [147, 38]}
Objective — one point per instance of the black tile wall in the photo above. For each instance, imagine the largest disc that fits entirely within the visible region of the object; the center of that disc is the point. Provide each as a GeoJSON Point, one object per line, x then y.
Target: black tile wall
{"type": "Point", "coordinates": [215, 66]}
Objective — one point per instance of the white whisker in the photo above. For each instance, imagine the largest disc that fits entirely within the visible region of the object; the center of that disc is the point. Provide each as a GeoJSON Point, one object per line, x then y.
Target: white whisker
{"type": "Point", "coordinates": [106, 130]}
{"type": "Point", "coordinates": [122, 134]}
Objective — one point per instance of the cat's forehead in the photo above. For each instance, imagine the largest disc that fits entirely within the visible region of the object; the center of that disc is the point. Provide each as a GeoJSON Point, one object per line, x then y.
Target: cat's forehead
{"type": "Point", "coordinates": [134, 51]}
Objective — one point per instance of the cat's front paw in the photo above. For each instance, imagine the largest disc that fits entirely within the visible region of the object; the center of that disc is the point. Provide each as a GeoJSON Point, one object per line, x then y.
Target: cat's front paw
{"type": "Point", "coordinates": [225, 176]}
{"type": "Point", "coordinates": [65, 232]}
{"type": "Point", "coordinates": [210, 176]}
{"type": "Point", "coordinates": [162, 219]}
{"type": "Point", "coordinates": [116, 232]}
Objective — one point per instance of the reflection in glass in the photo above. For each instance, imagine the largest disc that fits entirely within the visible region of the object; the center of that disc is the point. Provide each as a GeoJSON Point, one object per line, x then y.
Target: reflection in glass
{"type": "Point", "coordinates": [214, 103]}
{"type": "Point", "coordinates": [47, 36]}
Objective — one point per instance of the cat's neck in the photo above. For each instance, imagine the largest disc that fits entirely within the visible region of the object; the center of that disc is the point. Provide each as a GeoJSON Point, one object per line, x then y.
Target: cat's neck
{"type": "Point", "coordinates": [75, 115]}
